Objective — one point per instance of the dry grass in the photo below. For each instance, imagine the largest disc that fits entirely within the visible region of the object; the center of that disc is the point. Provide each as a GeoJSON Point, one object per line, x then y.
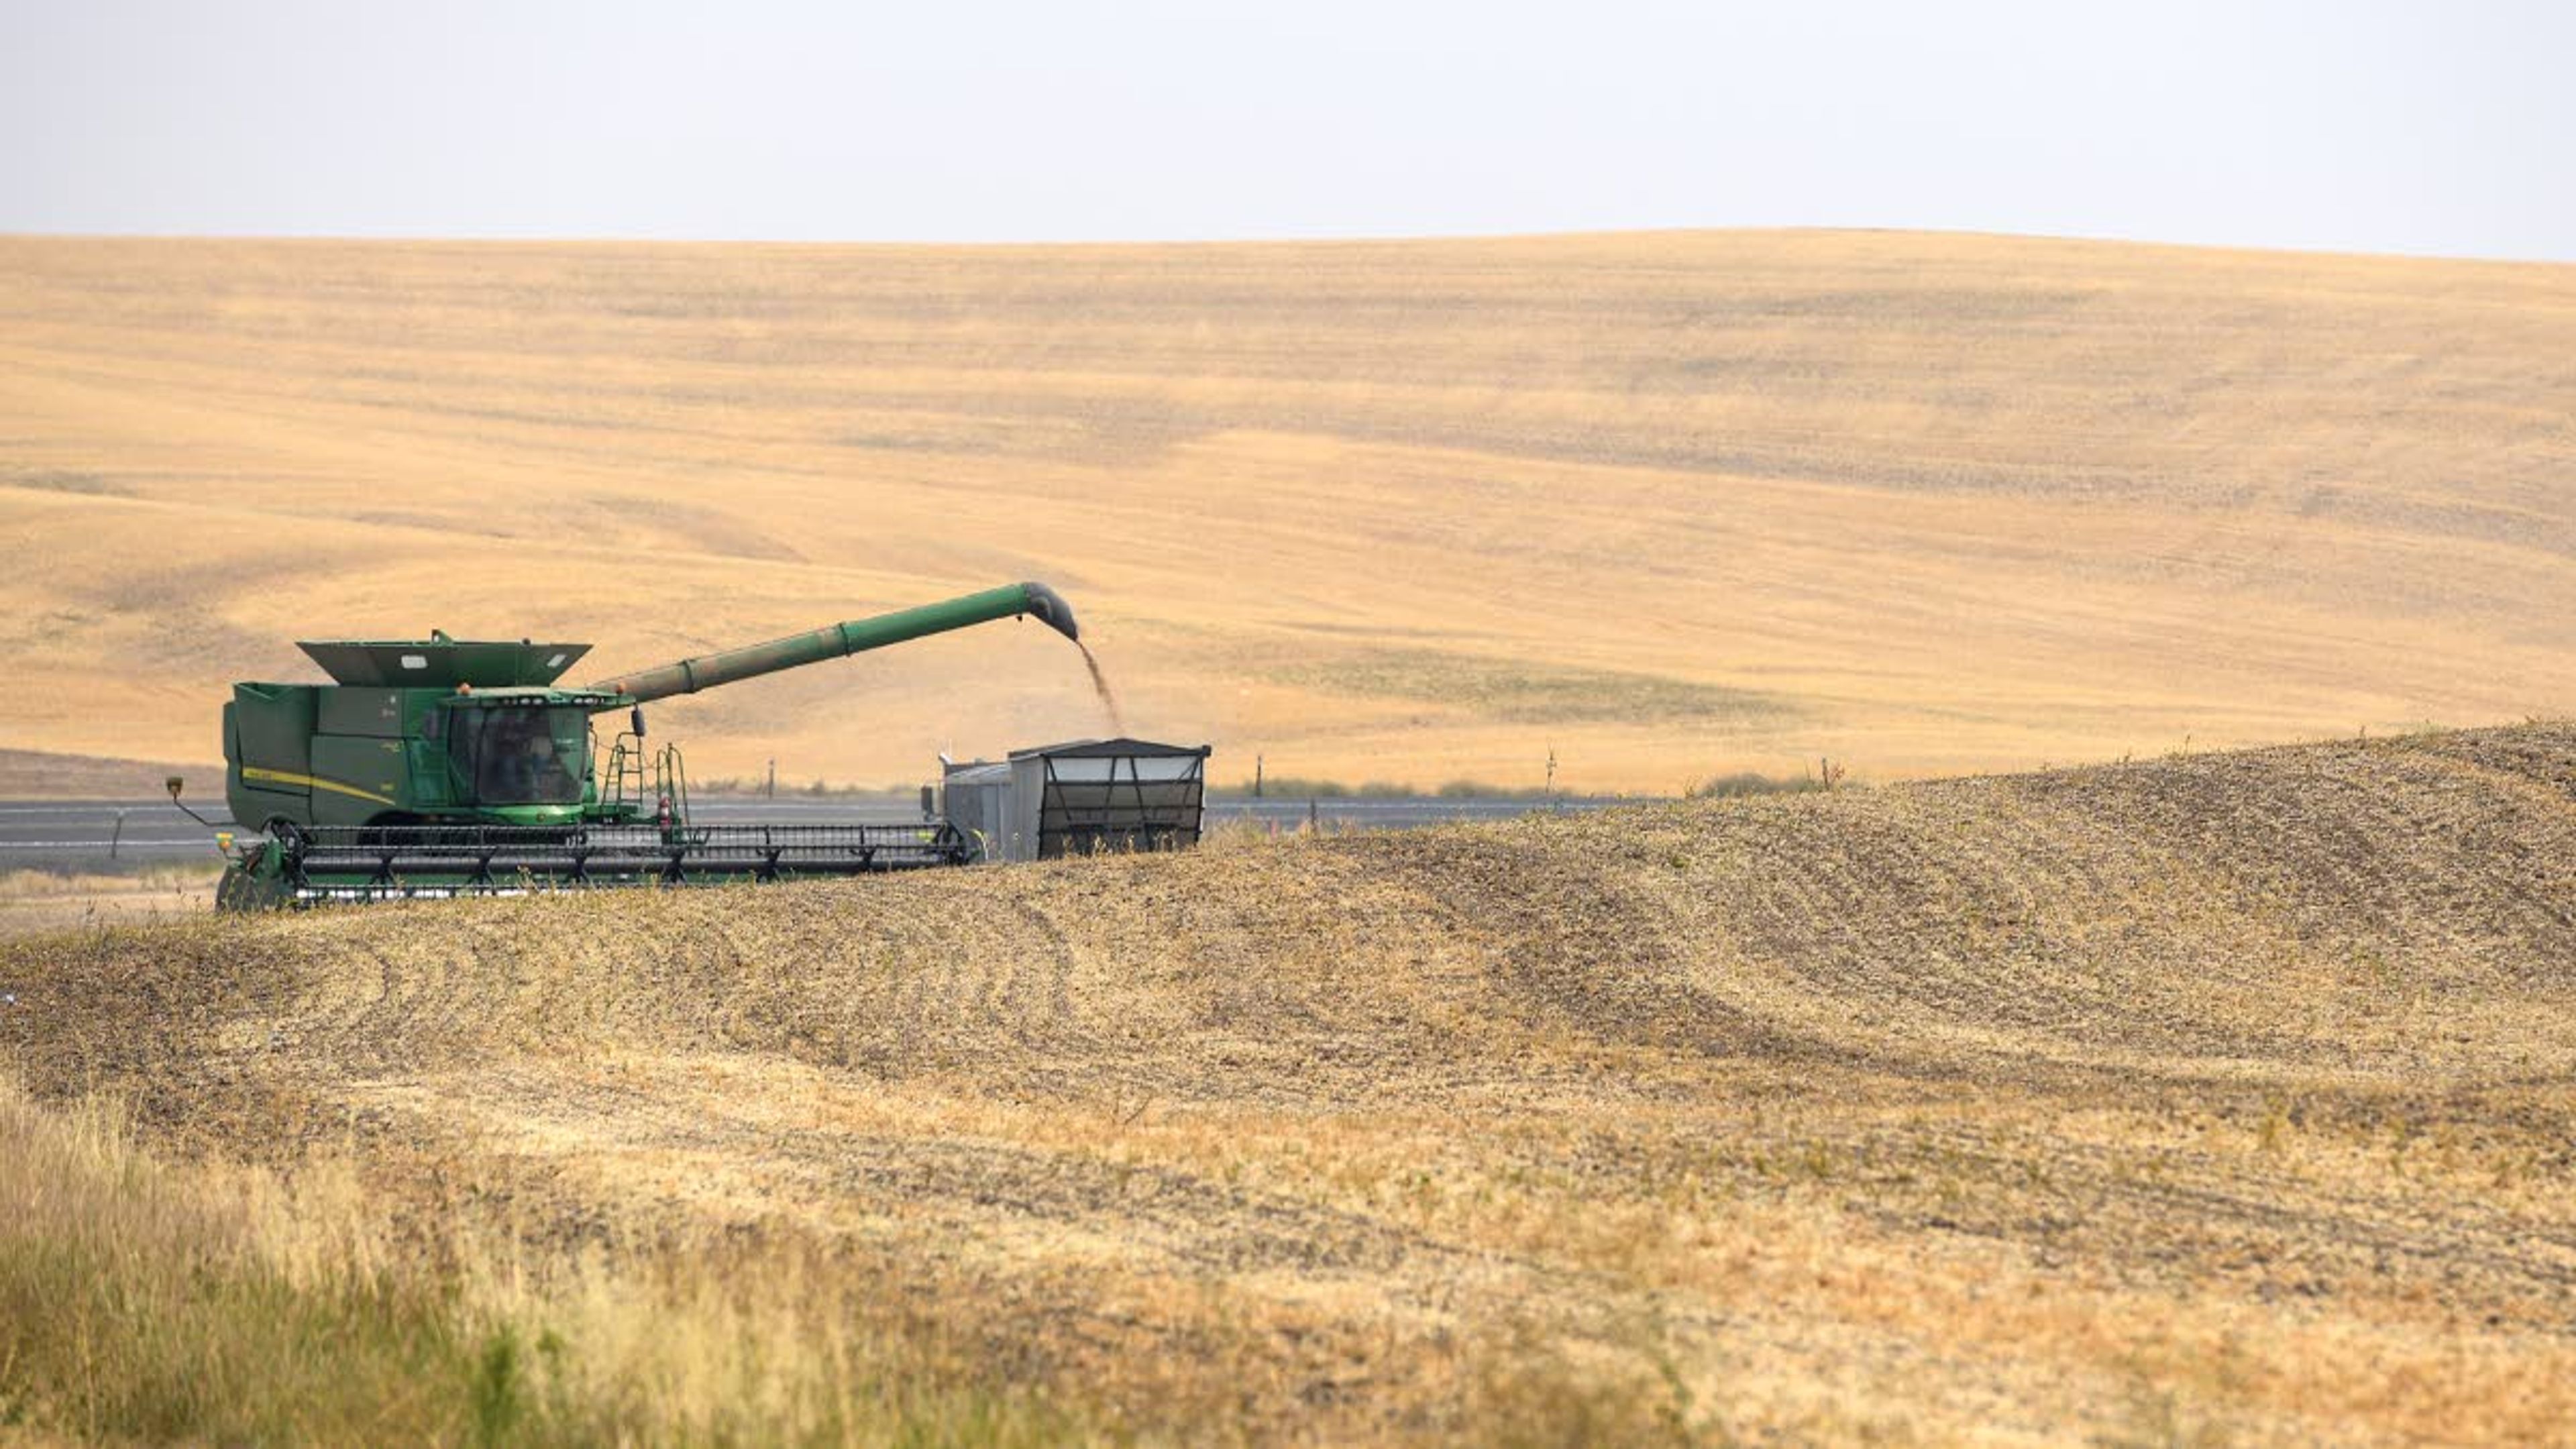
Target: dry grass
{"type": "Point", "coordinates": [213, 1303]}
{"type": "Point", "coordinates": [33, 902]}
{"type": "Point", "coordinates": [2224, 1097]}
{"type": "Point", "coordinates": [1673, 504]}
{"type": "Point", "coordinates": [37, 775]}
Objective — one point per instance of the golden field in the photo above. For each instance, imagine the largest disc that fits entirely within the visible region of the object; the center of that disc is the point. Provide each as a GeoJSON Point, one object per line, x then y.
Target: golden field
{"type": "Point", "coordinates": [2213, 1099]}
{"type": "Point", "coordinates": [1668, 504]}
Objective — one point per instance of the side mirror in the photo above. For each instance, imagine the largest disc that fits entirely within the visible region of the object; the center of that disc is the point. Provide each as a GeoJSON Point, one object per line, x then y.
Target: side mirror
{"type": "Point", "coordinates": [636, 718]}
{"type": "Point", "coordinates": [172, 784]}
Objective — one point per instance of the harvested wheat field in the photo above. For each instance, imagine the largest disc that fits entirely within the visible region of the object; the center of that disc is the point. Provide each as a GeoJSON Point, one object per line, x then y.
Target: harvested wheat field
{"type": "Point", "coordinates": [1668, 505]}
{"type": "Point", "coordinates": [2221, 1097]}
{"type": "Point", "coordinates": [37, 902]}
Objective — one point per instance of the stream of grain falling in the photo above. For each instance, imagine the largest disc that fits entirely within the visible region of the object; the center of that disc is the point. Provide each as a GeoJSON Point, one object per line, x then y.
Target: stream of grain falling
{"type": "Point", "coordinates": [1100, 686]}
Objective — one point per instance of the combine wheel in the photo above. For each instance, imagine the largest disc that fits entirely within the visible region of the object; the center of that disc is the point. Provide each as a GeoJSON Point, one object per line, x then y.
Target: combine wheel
{"type": "Point", "coordinates": [256, 879]}
{"type": "Point", "coordinates": [244, 889]}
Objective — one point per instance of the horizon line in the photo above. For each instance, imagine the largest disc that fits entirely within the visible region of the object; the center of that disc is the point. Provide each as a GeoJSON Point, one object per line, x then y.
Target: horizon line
{"type": "Point", "coordinates": [1359, 239]}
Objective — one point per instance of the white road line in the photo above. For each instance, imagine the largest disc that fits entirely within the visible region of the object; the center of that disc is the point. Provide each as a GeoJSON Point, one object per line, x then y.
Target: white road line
{"type": "Point", "coordinates": [102, 844]}
{"type": "Point", "coordinates": [80, 809]}
{"type": "Point", "coordinates": [107, 830]}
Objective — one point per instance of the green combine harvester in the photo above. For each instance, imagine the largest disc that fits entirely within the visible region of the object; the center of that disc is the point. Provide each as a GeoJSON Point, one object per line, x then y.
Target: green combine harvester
{"type": "Point", "coordinates": [448, 767]}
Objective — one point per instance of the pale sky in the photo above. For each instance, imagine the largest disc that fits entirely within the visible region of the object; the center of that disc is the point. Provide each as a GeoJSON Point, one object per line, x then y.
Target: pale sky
{"type": "Point", "coordinates": [2387, 127]}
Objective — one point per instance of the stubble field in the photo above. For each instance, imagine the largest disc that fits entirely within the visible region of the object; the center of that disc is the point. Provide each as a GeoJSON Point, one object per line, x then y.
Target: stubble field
{"type": "Point", "coordinates": [2218, 1098]}
{"type": "Point", "coordinates": [1669, 505]}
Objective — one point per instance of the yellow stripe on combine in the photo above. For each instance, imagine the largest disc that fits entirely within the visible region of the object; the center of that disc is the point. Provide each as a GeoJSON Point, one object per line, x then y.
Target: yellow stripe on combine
{"type": "Point", "coordinates": [283, 777]}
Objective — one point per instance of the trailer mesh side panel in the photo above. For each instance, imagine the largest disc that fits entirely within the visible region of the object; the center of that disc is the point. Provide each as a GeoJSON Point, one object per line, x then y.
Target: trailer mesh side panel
{"type": "Point", "coordinates": [1120, 803]}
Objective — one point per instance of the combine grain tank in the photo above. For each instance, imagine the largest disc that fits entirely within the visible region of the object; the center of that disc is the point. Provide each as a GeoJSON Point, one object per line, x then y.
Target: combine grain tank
{"type": "Point", "coordinates": [444, 767]}
{"type": "Point", "coordinates": [1079, 798]}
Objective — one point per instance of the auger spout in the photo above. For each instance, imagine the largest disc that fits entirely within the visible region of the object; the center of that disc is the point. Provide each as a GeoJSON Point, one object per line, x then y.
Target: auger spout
{"type": "Point", "coordinates": [688, 676]}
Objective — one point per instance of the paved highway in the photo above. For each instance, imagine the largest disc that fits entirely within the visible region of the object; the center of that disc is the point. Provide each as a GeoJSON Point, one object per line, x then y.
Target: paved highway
{"type": "Point", "coordinates": [88, 835]}
{"type": "Point", "coordinates": [106, 835]}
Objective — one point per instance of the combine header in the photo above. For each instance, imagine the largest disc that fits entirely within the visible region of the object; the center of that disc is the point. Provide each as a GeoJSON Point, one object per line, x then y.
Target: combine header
{"type": "Point", "coordinates": [451, 767]}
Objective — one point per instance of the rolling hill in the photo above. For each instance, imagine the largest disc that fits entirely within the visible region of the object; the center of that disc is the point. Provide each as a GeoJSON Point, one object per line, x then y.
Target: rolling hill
{"type": "Point", "coordinates": [2209, 1099]}
{"type": "Point", "coordinates": [1664, 504]}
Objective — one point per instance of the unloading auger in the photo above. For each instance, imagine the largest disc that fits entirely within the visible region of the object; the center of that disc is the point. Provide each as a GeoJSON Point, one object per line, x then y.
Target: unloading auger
{"type": "Point", "coordinates": [445, 767]}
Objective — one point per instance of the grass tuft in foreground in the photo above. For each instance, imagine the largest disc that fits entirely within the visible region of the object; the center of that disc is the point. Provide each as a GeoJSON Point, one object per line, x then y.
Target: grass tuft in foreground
{"type": "Point", "coordinates": [141, 1300]}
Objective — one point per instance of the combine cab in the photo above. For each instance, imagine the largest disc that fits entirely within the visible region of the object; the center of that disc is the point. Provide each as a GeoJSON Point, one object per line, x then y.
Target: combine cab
{"type": "Point", "coordinates": [447, 767]}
